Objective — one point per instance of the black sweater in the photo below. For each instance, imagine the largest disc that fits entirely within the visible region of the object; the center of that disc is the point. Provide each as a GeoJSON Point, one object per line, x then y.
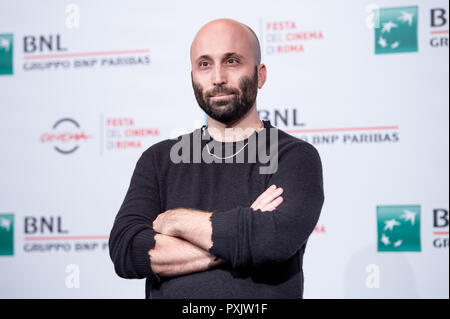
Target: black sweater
{"type": "Point", "coordinates": [263, 250]}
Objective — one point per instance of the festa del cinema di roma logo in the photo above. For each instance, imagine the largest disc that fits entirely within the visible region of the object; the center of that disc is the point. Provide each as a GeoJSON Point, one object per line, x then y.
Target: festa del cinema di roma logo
{"type": "Point", "coordinates": [396, 30]}
{"type": "Point", "coordinates": [6, 234]}
{"type": "Point", "coordinates": [66, 136]}
{"type": "Point", "coordinates": [6, 54]}
{"type": "Point", "coordinates": [398, 228]}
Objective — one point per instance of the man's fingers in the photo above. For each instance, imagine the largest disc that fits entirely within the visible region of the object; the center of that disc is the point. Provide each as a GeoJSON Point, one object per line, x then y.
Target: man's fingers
{"type": "Point", "coordinates": [272, 205]}
{"type": "Point", "coordinates": [158, 222]}
{"type": "Point", "coordinates": [260, 197]}
{"type": "Point", "coordinates": [268, 196]}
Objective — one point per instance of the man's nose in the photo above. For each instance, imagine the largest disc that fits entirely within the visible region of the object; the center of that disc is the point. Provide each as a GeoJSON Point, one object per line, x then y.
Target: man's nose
{"type": "Point", "coordinates": [219, 76]}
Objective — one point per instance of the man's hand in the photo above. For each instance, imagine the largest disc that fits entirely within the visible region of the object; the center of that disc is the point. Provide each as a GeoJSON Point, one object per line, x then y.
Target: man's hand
{"type": "Point", "coordinates": [165, 223]}
{"type": "Point", "coordinates": [190, 224]}
{"type": "Point", "coordinates": [269, 200]}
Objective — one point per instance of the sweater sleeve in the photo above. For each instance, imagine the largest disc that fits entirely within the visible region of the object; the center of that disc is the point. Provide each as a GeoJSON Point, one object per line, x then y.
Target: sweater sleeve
{"type": "Point", "coordinates": [252, 238]}
{"type": "Point", "coordinates": [132, 235]}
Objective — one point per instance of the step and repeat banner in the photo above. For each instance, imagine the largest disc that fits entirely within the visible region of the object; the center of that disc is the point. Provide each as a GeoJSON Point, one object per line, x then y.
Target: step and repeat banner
{"type": "Point", "coordinates": [87, 86]}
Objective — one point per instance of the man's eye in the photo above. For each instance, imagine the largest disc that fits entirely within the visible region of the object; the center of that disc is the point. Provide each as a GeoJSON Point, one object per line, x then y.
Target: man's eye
{"type": "Point", "coordinates": [232, 61]}
{"type": "Point", "coordinates": [203, 64]}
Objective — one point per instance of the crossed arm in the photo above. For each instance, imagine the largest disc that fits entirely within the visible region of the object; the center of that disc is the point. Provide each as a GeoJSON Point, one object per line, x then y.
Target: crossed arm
{"type": "Point", "coordinates": [184, 237]}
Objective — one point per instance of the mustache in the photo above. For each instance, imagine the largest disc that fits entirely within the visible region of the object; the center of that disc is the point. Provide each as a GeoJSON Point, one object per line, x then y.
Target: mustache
{"type": "Point", "coordinates": [223, 90]}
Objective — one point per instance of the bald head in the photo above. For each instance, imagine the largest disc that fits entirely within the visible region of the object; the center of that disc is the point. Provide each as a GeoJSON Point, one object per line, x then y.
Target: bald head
{"type": "Point", "coordinates": [226, 35]}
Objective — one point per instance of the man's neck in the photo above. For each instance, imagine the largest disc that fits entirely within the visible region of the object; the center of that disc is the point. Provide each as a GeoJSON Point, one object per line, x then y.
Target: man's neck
{"type": "Point", "coordinates": [236, 131]}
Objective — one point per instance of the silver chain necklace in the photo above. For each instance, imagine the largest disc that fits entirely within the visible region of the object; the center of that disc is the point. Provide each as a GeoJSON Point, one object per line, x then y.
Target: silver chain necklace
{"type": "Point", "coordinates": [230, 156]}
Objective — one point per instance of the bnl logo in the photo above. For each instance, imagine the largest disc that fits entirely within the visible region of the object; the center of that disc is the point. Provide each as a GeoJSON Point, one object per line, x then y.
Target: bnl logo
{"type": "Point", "coordinates": [6, 234]}
{"type": "Point", "coordinates": [396, 30]}
{"type": "Point", "coordinates": [6, 54]}
{"type": "Point", "coordinates": [398, 228]}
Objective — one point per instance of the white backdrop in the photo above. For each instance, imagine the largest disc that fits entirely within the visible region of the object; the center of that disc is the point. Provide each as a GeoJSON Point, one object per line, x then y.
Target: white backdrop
{"type": "Point", "coordinates": [104, 80]}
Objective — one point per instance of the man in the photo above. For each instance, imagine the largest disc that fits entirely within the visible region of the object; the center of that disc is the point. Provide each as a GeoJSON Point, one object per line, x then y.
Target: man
{"type": "Point", "coordinates": [214, 227]}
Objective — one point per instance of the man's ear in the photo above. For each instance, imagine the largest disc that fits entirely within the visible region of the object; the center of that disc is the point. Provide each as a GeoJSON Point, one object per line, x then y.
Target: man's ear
{"type": "Point", "coordinates": [262, 74]}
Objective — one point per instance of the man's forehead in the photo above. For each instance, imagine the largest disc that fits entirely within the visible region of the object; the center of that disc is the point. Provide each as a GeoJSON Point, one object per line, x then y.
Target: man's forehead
{"type": "Point", "coordinates": [221, 38]}
{"type": "Point", "coordinates": [221, 49]}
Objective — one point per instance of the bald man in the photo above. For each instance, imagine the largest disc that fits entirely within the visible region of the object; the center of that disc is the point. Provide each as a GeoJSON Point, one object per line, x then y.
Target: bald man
{"type": "Point", "coordinates": [212, 222]}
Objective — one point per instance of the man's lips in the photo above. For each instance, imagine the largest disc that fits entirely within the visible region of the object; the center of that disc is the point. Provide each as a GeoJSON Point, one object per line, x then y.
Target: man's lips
{"type": "Point", "coordinates": [221, 95]}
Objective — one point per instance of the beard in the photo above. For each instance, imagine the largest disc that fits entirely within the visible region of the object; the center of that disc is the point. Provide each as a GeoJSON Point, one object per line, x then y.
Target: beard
{"type": "Point", "coordinates": [228, 110]}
